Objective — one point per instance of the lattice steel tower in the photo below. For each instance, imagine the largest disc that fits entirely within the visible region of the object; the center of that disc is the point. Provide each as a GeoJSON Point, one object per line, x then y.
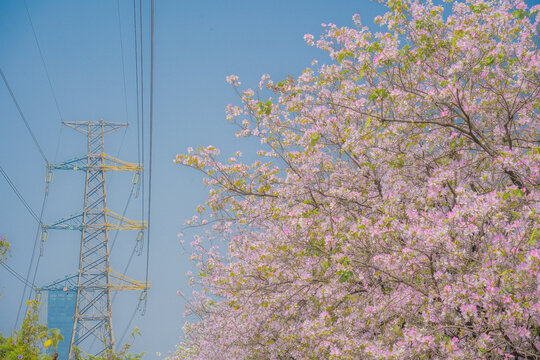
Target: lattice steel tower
{"type": "Point", "coordinates": [93, 316]}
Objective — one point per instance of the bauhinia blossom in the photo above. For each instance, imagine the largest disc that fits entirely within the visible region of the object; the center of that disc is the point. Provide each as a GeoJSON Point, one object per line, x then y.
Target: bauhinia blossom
{"type": "Point", "coordinates": [393, 212]}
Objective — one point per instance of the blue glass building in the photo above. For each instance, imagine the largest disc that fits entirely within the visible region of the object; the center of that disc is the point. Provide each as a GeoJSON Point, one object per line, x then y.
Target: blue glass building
{"type": "Point", "coordinates": [60, 312]}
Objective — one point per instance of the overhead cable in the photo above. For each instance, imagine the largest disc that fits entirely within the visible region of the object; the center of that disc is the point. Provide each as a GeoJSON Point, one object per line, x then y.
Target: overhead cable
{"type": "Point", "coordinates": [43, 62]}
{"type": "Point", "coordinates": [16, 275]}
{"type": "Point", "coordinates": [143, 214]}
{"type": "Point", "coordinates": [122, 56]}
{"type": "Point", "coordinates": [137, 80]}
{"type": "Point", "coordinates": [151, 135]}
{"type": "Point", "coordinates": [53, 93]}
{"type": "Point", "coordinates": [28, 271]}
{"type": "Point", "coordinates": [123, 215]}
{"type": "Point", "coordinates": [21, 198]}
{"type": "Point", "coordinates": [23, 117]}
{"type": "Point", "coordinates": [129, 323]}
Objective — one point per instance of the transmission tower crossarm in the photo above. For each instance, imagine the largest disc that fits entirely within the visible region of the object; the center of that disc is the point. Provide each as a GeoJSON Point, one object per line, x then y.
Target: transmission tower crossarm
{"type": "Point", "coordinates": [75, 222]}
{"type": "Point", "coordinates": [119, 282]}
{"type": "Point", "coordinates": [124, 223]}
{"type": "Point", "coordinates": [85, 127]}
{"type": "Point", "coordinates": [72, 222]}
{"type": "Point", "coordinates": [69, 282]}
{"type": "Point", "coordinates": [109, 163]}
{"type": "Point", "coordinates": [125, 283]}
{"type": "Point", "coordinates": [78, 163]}
{"type": "Point", "coordinates": [114, 164]}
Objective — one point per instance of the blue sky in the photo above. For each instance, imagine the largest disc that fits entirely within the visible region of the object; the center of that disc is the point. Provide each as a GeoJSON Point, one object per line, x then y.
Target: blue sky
{"type": "Point", "coordinates": [197, 44]}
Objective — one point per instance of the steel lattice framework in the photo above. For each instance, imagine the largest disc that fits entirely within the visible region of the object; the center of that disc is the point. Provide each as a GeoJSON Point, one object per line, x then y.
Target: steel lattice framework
{"type": "Point", "coordinates": [93, 316]}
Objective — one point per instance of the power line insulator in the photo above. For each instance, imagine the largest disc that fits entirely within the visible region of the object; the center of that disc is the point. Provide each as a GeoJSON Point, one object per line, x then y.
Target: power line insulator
{"type": "Point", "coordinates": [49, 177]}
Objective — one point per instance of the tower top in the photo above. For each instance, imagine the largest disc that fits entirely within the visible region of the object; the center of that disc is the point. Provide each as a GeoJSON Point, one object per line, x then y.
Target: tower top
{"type": "Point", "coordinates": [85, 127]}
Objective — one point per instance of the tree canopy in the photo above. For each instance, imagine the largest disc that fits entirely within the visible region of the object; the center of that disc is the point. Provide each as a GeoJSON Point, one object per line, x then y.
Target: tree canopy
{"type": "Point", "coordinates": [393, 210]}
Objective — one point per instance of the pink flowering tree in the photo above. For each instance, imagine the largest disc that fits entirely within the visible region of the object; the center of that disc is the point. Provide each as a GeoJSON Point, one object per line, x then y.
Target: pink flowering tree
{"type": "Point", "coordinates": [393, 211]}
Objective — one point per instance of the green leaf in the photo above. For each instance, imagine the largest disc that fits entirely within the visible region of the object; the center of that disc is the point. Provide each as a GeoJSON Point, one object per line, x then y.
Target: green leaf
{"type": "Point", "coordinates": [367, 122]}
{"type": "Point", "coordinates": [478, 8]}
{"type": "Point", "coordinates": [520, 14]}
{"type": "Point", "coordinates": [379, 93]}
{"type": "Point", "coordinates": [314, 138]}
{"type": "Point", "coordinates": [489, 60]}
{"type": "Point", "coordinates": [532, 240]}
{"type": "Point", "coordinates": [519, 193]}
{"type": "Point", "coordinates": [342, 55]}
{"type": "Point", "coordinates": [345, 275]}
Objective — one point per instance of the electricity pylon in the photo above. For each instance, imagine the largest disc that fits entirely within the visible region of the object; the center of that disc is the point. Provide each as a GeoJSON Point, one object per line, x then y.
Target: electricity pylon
{"type": "Point", "coordinates": [93, 314]}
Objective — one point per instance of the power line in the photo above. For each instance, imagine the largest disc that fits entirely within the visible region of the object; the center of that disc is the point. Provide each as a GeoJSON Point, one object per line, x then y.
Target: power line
{"type": "Point", "coordinates": [151, 134]}
{"type": "Point", "coordinates": [140, 133]}
{"type": "Point", "coordinates": [142, 109]}
{"type": "Point", "coordinates": [23, 117]}
{"type": "Point", "coordinates": [138, 136]}
{"type": "Point", "coordinates": [21, 198]}
{"type": "Point", "coordinates": [137, 80]}
{"type": "Point", "coordinates": [116, 294]}
{"type": "Point", "coordinates": [53, 93]}
{"type": "Point", "coordinates": [43, 61]}
{"type": "Point", "coordinates": [39, 221]}
{"type": "Point", "coordinates": [126, 268]}
{"type": "Point", "coordinates": [16, 275]}
{"type": "Point", "coordinates": [36, 240]}
{"type": "Point", "coordinates": [128, 263]}
{"type": "Point", "coordinates": [124, 82]}
{"type": "Point", "coordinates": [122, 53]}
{"type": "Point", "coordinates": [129, 323]}
{"type": "Point", "coordinates": [123, 215]}
{"type": "Point", "coordinates": [140, 299]}
{"type": "Point", "coordinates": [141, 143]}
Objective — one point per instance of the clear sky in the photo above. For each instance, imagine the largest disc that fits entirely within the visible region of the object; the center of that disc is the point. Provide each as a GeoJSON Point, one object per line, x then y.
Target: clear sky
{"type": "Point", "coordinates": [197, 43]}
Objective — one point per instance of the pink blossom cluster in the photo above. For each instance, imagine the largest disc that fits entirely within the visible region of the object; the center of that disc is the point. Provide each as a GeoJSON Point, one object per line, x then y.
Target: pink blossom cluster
{"type": "Point", "coordinates": [393, 211]}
